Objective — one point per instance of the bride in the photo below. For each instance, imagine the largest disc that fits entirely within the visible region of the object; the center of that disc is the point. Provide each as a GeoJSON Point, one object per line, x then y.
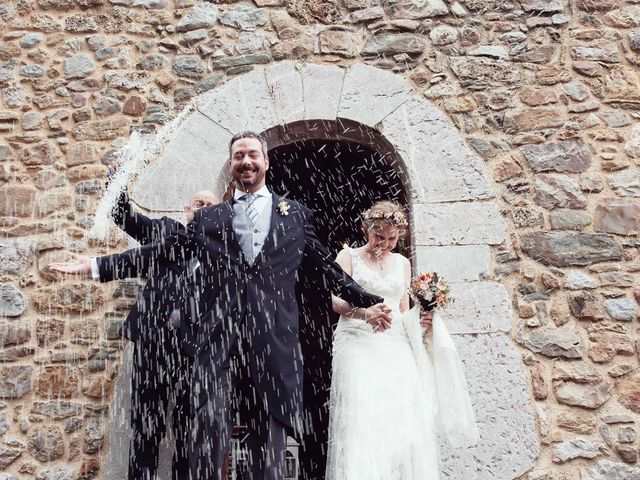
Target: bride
{"type": "Point", "coordinates": [384, 400]}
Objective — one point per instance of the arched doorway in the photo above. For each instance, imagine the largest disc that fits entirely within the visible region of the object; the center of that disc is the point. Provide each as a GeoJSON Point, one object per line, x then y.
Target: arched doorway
{"type": "Point", "coordinates": [455, 223]}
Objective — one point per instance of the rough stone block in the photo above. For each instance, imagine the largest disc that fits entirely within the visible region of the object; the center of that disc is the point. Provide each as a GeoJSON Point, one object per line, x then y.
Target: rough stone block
{"type": "Point", "coordinates": [545, 6]}
{"type": "Point", "coordinates": [189, 66]}
{"type": "Point", "coordinates": [46, 443]}
{"type": "Point", "coordinates": [241, 61]}
{"type": "Point", "coordinates": [455, 263]}
{"type": "Point", "coordinates": [458, 224]}
{"type": "Point", "coordinates": [43, 153]}
{"type": "Point", "coordinates": [101, 130]}
{"type": "Point", "coordinates": [580, 385]}
{"type": "Point", "coordinates": [570, 156]}
{"type": "Point", "coordinates": [618, 216]}
{"type": "Point", "coordinates": [12, 303]}
{"type": "Point", "coordinates": [415, 9]}
{"type": "Point", "coordinates": [479, 73]}
{"type": "Point", "coordinates": [17, 200]}
{"type": "Point", "coordinates": [626, 183]}
{"type": "Point", "coordinates": [201, 15]}
{"type": "Point", "coordinates": [15, 256]}
{"type": "Point", "coordinates": [339, 42]}
{"type": "Point", "coordinates": [57, 409]}
{"type": "Point", "coordinates": [622, 309]}
{"type": "Point", "coordinates": [479, 307]}
{"type": "Point", "coordinates": [558, 191]}
{"type": "Point", "coordinates": [81, 153]}
{"type": "Point", "coordinates": [528, 119]}
{"type": "Point", "coordinates": [625, 17]}
{"type": "Point", "coordinates": [609, 470]}
{"type": "Point", "coordinates": [15, 381]}
{"type": "Point", "coordinates": [68, 298]}
{"type": "Point", "coordinates": [80, 65]}
{"type": "Point", "coordinates": [389, 44]}
{"type": "Point", "coordinates": [577, 280]}
{"type": "Point", "coordinates": [567, 219]}
{"type": "Point", "coordinates": [509, 442]}
{"type": "Point", "coordinates": [563, 249]}
{"type": "Point", "coordinates": [57, 473]}
{"type": "Point", "coordinates": [629, 393]}
{"type": "Point", "coordinates": [558, 342]}
{"type": "Point", "coordinates": [577, 448]}
{"type": "Point", "coordinates": [244, 16]}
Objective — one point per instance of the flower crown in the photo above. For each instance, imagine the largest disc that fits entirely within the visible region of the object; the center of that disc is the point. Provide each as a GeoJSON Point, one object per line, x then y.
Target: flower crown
{"type": "Point", "coordinates": [397, 218]}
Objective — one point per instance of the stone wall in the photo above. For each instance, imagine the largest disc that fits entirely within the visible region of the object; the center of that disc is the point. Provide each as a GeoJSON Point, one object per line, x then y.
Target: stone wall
{"type": "Point", "coordinates": [546, 92]}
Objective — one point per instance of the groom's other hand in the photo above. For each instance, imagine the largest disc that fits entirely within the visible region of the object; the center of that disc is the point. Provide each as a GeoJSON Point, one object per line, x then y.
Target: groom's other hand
{"type": "Point", "coordinates": [379, 317]}
{"type": "Point", "coordinates": [80, 265]}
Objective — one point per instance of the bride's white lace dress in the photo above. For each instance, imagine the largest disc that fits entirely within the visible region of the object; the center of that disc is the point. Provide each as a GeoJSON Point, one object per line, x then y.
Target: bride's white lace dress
{"type": "Point", "coordinates": [381, 423]}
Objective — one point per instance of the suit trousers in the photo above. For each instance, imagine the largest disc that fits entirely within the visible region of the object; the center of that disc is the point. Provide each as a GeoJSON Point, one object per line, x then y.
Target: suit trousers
{"type": "Point", "coordinates": [159, 380]}
{"type": "Point", "coordinates": [235, 401]}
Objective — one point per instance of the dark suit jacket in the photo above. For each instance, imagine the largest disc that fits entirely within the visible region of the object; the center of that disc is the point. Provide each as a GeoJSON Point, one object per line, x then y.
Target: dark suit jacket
{"type": "Point", "coordinates": [255, 303]}
{"type": "Point", "coordinates": [147, 319]}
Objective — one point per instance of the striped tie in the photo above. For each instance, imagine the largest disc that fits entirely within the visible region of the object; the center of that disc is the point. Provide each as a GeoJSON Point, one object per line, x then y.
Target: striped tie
{"type": "Point", "coordinates": [249, 206]}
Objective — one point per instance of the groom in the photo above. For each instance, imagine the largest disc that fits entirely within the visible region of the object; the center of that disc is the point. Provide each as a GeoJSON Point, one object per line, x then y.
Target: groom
{"type": "Point", "coordinates": [243, 324]}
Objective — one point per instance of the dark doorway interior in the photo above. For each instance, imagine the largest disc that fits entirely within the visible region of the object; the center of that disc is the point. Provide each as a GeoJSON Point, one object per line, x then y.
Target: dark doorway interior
{"type": "Point", "coordinates": [337, 180]}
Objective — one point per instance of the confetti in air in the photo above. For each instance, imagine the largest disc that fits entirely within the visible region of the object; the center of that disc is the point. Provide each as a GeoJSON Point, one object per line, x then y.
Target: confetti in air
{"type": "Point", "coordinates": [136, 155]}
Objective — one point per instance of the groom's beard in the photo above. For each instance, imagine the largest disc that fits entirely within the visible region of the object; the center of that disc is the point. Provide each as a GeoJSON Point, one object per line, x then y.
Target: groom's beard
{"type": "Point", "coordinates": [245, 183]}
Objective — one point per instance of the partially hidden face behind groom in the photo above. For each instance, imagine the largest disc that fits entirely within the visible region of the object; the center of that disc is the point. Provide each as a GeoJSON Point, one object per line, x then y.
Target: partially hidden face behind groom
{"type": "Point", "coordinates": [241, 326]}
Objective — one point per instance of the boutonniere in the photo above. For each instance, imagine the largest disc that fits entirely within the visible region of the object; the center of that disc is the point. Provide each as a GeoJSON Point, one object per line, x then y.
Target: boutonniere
{"type": "Point", "coordinates": [283, 207]}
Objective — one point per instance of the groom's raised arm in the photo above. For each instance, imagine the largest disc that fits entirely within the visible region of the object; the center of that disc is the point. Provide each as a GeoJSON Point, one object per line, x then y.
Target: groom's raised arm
{"type": "Point", "coordinates": [337, 281]}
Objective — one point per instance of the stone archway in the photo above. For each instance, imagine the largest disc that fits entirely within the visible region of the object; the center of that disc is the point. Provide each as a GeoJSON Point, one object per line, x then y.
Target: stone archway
{"type": "Point", "coordinates": [455, 221]}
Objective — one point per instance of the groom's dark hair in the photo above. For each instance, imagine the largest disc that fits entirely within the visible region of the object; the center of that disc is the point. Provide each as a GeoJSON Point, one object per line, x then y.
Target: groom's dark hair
{"type": "Point", "coordinates": [248, 134]}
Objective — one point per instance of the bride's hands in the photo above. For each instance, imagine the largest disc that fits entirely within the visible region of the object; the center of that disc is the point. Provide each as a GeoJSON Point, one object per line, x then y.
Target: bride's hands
{"type": "Point", "coordinates": [378, 316]}
{"type": "Point", "coordinates": [426, 319]}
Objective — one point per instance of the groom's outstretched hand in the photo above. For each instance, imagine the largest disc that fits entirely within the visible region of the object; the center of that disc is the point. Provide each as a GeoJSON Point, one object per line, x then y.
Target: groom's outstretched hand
{"type": "Point", "coordinates": [379, 317]}
{"type": "Point", "coordinates": [80, 265]}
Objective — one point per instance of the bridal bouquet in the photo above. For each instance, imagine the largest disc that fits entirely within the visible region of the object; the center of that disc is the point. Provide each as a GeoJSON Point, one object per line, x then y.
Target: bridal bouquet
{"type": "Point", "coordinates": [430, 291]}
